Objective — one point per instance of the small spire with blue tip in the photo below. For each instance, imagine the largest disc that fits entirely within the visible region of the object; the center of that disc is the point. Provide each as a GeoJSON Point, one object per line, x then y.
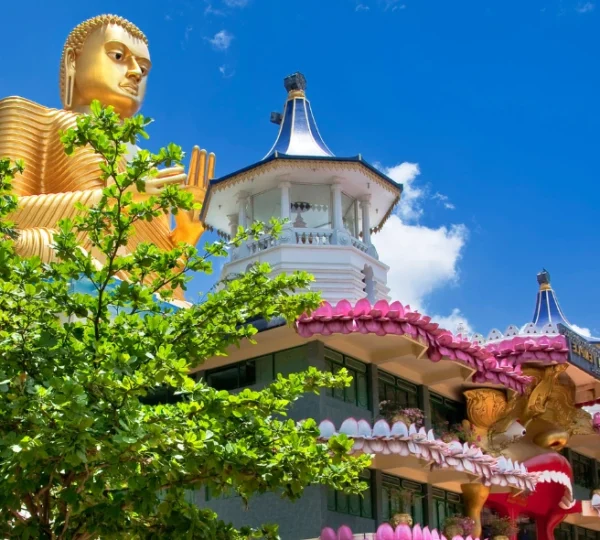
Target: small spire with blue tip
{"type": "Point", "coordinates": [298, 133]}
{"type": "Point", "coordinates": [547, 308]}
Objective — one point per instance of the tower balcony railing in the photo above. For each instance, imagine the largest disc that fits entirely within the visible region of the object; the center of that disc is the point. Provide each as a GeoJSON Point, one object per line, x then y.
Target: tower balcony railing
{"type": "Point", "coordinates": [302, 237]}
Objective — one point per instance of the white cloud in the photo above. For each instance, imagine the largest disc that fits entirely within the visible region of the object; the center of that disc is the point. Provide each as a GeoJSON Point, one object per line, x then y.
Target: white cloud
{"type": "Point", "coordinates": [393, 5]}
{"type": "Point", "coordinates": [362, 7]}
{"type": "Point", "coordinates": [421, 259]}
{"type": "Point", "coordinates": [585, 332]}
{"type": "Point", "coordinates": [585, 7]}
{"type": "Point", "coordinates": [236, 3]}
{"type": "Point", "coordinates": [405, 174]}
{"type": "Point", "coordinates": [226, 71]}
{"type": "Point", "coordinates": [444, 200]}
{"type": "Point", "coordinates": [210, 10]}
{"type": "Point", "coordinates": [456, 322]}
{"type": "Point", "coordinates": [221, 40]}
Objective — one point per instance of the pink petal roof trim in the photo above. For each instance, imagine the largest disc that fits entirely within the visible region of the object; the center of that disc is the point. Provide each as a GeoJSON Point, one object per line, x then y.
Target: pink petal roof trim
{"type": "Point", "coordinates": [531, 349]}
{"type": "Point", "coordinates": [383, 318]}
{"type": "Point", "coordinates": [386, 532]}
{"type": "Point", "coordinates": [405, 441]}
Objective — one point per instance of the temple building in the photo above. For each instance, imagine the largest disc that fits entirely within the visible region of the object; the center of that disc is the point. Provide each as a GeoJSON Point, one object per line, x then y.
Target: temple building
{"type": "Point", "coordinates": [464, 430]}
{"type": "Point", "coordinates": [476, 427]}
{"type": "Point", "coordinates": [333, 205]}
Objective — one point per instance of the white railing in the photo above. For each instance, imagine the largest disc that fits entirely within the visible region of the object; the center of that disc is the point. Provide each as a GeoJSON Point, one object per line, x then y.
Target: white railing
{"type": "Point", "coordinates": [314, 237]}
{"type": "Point", "coordinates": [302, 237]}
{"type": "Point", "coordinates": [265, 242]}
{"type": "Point", "coordinates": [359, 245]}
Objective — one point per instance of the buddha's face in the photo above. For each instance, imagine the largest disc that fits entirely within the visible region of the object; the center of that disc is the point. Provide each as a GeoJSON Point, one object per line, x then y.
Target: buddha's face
{"type": "Point", "coordinates": [112, 67]}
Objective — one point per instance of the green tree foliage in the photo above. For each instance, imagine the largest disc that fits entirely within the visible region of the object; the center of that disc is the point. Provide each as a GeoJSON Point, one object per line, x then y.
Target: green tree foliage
{"type": "Point", "coordinates": [82, 453]}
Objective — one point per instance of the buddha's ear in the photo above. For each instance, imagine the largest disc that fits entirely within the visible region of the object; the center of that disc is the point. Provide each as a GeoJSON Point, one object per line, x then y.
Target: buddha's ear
{"type": "Point", "coordinates": [69, 67]}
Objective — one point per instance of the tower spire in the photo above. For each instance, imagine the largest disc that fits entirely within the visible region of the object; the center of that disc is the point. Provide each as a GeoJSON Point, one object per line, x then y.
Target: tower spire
{"type": "Point", "coordinates": [547, 308]}
{"type": "Point", "coordinates": [298, 133]}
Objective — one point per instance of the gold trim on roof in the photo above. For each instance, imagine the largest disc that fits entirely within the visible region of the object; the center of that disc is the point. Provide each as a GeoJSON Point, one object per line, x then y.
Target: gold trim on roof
{"type": "Point", "coordinates": [306, 164]}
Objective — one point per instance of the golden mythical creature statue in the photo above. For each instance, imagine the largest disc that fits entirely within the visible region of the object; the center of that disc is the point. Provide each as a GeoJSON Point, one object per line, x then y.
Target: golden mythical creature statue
{"type": "Point", "coordinates": [547, 409]}
{"type": "Point", "coordinates": [104, 58]}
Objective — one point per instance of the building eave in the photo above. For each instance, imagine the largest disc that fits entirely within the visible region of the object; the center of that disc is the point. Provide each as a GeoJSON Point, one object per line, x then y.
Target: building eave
{"type": "Point", "coordinates": [323, 162]}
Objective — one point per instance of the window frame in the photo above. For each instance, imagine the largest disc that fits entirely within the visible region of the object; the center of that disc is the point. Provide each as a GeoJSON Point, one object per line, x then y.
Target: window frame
{"type": "Point", "coordinates": [451, 507]}
{"type": "Point", "coordinates": [448, 404]}
{"type": "Point", "coordinates": [408, 388]}
{"type": "Point", "coordinates": [390, 481]}
{"type": "Point", "coordinates": [358, 370]}
{"type": "Point", "coordinates": [583, 468]}
{"type": "Point", "coordinates": [243, 363]}
{"type": "Point", "coordinates": [364, 500]}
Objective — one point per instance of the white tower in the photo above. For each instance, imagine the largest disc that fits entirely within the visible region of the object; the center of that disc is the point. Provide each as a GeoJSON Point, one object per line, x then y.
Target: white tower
{"type": "Point", "coordinates": [333, 205]}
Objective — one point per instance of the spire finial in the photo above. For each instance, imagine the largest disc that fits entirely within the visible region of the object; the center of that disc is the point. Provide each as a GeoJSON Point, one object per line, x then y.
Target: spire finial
{"type": "Point", "coordinates": [543, 278]}
{"type": "Point", "coordinates": [295, 85]}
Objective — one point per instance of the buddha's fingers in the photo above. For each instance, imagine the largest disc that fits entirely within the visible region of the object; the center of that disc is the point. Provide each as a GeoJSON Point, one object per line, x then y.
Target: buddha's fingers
{"type": "Point", "coordinates": [176, 170]}
{"type": "Point", "coordinates": [155, 185]}
{"type": "Point", "coordinates": [194, 170]}
{"type": "Point", "coordinates": [211, 168]}
{"type": "Point", "coordinates": [201, 176]}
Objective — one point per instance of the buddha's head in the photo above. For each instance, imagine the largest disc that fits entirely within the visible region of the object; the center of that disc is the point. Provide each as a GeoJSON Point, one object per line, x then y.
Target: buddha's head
{"type": "Point", "coordinates": [105, 58]}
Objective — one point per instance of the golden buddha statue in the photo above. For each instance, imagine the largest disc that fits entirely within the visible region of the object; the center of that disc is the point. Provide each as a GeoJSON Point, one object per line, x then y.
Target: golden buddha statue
{"type": "Point", "coordinates": [104, 58]}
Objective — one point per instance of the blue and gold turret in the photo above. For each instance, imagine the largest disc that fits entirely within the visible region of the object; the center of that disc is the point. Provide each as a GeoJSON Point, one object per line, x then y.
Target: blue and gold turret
{"type": "Point", "coordinates": [298, 131]}
{"type": "Point", "coordinates": [547, 308]}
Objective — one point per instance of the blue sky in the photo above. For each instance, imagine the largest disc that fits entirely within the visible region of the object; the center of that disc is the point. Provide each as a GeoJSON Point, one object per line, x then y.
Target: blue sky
{"type": "Point", "coordinates": [494, 103]}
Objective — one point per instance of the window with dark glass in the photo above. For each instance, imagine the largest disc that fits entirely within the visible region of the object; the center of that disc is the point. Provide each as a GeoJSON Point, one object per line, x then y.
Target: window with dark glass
{"type": "Point", "coordinates": [445, 412]}
{"type": "Point", "coordinates": [583, 470]}
{"type": "Point", "coordinates": [397, 390]}
{"type": "Point", "coordinates": [401, 496]}
{"type": "Point", "coordinates": [358, 391]}
{"type": "Point", "coordinates": [241, 374]}
{"type": "Point", "coordinates": [445, 504]}
{"type": "Point", "coordinates": [580, 533]}
{"type": "Point", "coordinates": [564, 532]}
{"type": "Point", "coordinates": [354, 505]}
{"type": "Point", "coordinates": [261, 370]}
{"type": "Point", "coordinates": [527, 528]}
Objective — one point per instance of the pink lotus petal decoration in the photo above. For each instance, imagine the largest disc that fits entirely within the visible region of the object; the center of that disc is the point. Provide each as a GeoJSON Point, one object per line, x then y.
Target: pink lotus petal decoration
{"type": "Point", "coordinates": [540, 348]}
{"type": "Point", "coordinates": [383, 319]}
{"type": "Point", "coordinates": [402, 440]}
{"type": "Point", "coordinates": [386, 532]}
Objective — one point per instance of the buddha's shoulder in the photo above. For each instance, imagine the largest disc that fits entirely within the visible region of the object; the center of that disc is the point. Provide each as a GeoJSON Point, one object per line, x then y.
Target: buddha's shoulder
{"type": "Point", "coordinates": [16, 105]}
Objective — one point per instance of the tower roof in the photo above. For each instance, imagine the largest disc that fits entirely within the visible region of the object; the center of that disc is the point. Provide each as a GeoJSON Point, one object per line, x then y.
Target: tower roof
{"type": "Point", "coordinates": [298, 133]}
{"type": "Point", "coordinates": [547, 308]}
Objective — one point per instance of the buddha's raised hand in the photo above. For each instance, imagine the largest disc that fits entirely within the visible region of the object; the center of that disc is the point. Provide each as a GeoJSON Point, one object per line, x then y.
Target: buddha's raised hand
{"type": "Point", "coordinates": [188, 227]}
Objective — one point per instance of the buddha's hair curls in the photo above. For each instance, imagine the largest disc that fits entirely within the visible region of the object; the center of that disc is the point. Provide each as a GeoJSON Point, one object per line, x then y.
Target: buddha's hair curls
{"type": "Point", "coordinates": [80, 33]}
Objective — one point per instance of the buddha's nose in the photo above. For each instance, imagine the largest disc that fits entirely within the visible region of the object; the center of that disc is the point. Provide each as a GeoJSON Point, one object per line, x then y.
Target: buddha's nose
{"type": "Point", "coordinates": [134, 71]}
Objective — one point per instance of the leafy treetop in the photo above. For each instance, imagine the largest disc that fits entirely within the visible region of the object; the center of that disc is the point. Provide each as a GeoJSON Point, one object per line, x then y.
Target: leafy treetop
{"type": "Point", "coordinates": [82, 452]}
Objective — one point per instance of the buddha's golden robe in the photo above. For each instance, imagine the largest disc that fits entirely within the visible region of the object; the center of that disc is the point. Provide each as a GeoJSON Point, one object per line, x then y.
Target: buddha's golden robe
{"type": "Point", "coordinates": [53, 182]}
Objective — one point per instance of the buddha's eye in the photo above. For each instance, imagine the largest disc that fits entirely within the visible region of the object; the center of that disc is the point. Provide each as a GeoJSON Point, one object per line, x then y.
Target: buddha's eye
{"type": "Point", "coordinates": [116, 55]}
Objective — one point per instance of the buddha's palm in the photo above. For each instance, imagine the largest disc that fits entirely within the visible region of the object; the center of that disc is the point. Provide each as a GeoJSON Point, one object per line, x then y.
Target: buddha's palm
{"type": "Point", "coordinates": [188, 227]}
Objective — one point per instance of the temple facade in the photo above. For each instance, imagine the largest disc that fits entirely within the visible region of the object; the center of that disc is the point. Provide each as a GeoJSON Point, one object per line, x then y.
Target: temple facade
{"type": "Point", "coordinates": [465, 427]}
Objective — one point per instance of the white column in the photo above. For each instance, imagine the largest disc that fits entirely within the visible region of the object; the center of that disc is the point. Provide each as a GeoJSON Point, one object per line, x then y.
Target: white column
{"type": "Point", "coordinates": [242, 197]}
{"type": "Point", "coordinates": [365, 206]}
{"type": "Point", "coordinates": [337, 217]}
{"type": "Point", "coordinates": [285, 199]}
{"type": "Point", "coordinates": [233, 224]}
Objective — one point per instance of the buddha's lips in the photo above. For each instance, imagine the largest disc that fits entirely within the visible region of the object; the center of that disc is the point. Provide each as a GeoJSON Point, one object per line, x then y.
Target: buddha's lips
{"type": "Point", "coordinates": [131, 88]}
{"type": "Point", "coordinates": [555, 470]}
